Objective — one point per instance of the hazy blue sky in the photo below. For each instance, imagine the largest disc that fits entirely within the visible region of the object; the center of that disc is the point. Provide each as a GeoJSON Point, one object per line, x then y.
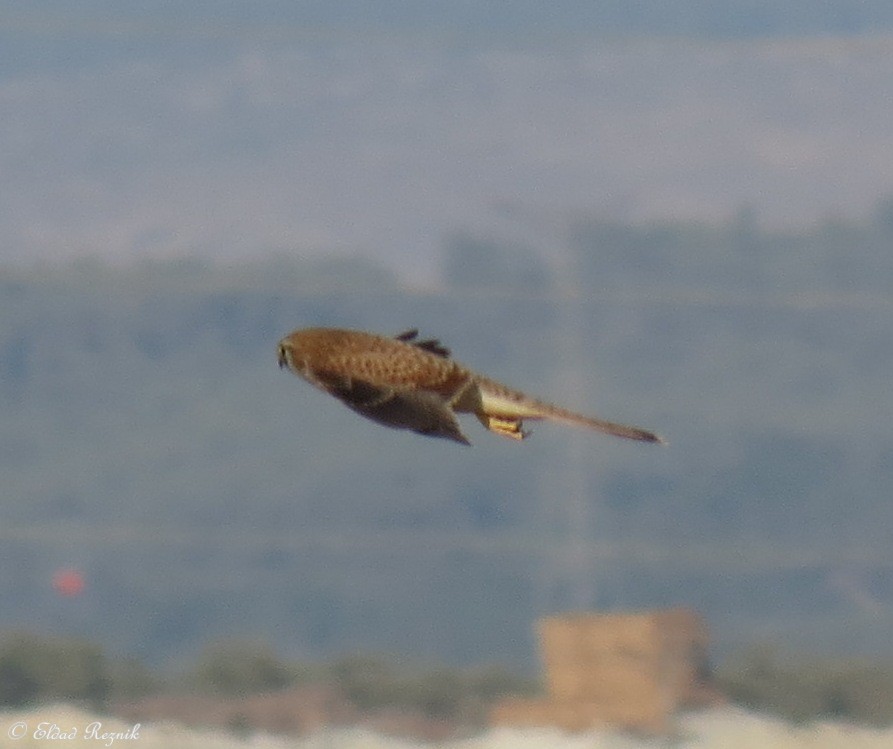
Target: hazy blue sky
{"type": "Point", "coordinates": [231, 129]}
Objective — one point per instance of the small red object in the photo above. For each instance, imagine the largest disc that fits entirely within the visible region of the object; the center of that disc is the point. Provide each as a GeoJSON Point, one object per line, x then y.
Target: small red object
{"type": "Point", "coordinates": [68, 582]}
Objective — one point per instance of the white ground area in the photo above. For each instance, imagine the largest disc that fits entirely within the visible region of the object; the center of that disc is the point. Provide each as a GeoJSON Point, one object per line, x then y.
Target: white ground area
{"type": "Point", "coordinates": [728, 728]}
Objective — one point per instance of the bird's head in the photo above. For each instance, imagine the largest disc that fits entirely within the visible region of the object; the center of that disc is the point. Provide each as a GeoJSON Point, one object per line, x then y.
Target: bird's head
{"type": "Point", "coordinates": [297, 350]}
{"type": "Point", "coordinates": [309, 351]}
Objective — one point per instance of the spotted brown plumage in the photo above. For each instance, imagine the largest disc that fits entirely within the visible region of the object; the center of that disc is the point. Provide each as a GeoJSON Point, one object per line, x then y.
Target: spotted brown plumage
{"type": "Point", "coordinates": [407, 383]}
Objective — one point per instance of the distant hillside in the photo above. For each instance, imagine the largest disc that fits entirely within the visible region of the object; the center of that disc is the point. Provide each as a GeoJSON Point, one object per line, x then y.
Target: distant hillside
{"type": "Point", "coordinates": [149, 439]}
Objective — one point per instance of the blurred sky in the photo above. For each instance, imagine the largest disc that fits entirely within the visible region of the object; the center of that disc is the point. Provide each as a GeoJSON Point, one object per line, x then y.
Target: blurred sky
{"type": "Point", "coordinates": [230, 129]}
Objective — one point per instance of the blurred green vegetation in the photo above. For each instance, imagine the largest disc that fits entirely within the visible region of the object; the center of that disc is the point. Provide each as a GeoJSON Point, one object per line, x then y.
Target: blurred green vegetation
{"type": "Point", "coordinates": [801, 687]}
{"type": "Point", "coordinates": [375, 682]}
{"type": "Point", "coordinates": [235, 668]}
{"type": "Point", "coordinates": [42, 669]}
{"type": "Point", "coordinates": [38, 669]}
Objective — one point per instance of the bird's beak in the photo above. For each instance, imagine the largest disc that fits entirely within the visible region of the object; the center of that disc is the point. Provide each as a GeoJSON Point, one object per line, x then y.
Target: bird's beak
{"type": "Point", "coordinates": [281, 355]}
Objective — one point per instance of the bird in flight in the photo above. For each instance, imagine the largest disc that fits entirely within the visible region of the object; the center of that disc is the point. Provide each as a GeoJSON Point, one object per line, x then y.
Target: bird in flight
{"type": "Point", "coordinates": [407, 383]}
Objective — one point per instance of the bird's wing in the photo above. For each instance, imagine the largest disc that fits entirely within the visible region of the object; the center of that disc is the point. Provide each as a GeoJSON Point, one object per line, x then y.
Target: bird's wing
{"type": "Point", "coordinates": [417, 410]}
{"type": "Point", "coordinates": [401, 408]}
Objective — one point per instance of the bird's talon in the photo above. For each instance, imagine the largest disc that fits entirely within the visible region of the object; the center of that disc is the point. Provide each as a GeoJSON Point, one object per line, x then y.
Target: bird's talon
{"type": "Point", "coordinates": [506, 427]}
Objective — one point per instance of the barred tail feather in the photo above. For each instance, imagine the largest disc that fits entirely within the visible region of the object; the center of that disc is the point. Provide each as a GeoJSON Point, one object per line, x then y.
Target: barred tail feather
{"type": "Point", "coordinates": [501, 401]}
{"type": "Point", "coordinates": [608, 427]}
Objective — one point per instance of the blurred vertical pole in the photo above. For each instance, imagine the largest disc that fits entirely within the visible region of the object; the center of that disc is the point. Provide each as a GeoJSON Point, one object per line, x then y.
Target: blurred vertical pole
{"type": "Point", "coordinates": [566, 576]}
{"type": "Point", "coordinates": [570, 486]}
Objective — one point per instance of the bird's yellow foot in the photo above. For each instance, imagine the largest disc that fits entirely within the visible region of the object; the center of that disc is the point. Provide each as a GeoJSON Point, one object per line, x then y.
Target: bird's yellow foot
{"type": "Point", "coordinates": [507, 427]}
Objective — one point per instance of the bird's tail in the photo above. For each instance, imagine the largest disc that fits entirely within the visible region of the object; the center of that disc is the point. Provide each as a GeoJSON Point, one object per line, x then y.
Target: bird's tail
{"type": "Point", "coordinates": [608, 427]}
{"type": "Point", "coordinates": [503, 402]}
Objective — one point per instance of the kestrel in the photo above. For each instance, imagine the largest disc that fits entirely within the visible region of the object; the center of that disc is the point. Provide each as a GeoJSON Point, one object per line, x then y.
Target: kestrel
{"type": "Point", "coordinates": [407, 383]}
